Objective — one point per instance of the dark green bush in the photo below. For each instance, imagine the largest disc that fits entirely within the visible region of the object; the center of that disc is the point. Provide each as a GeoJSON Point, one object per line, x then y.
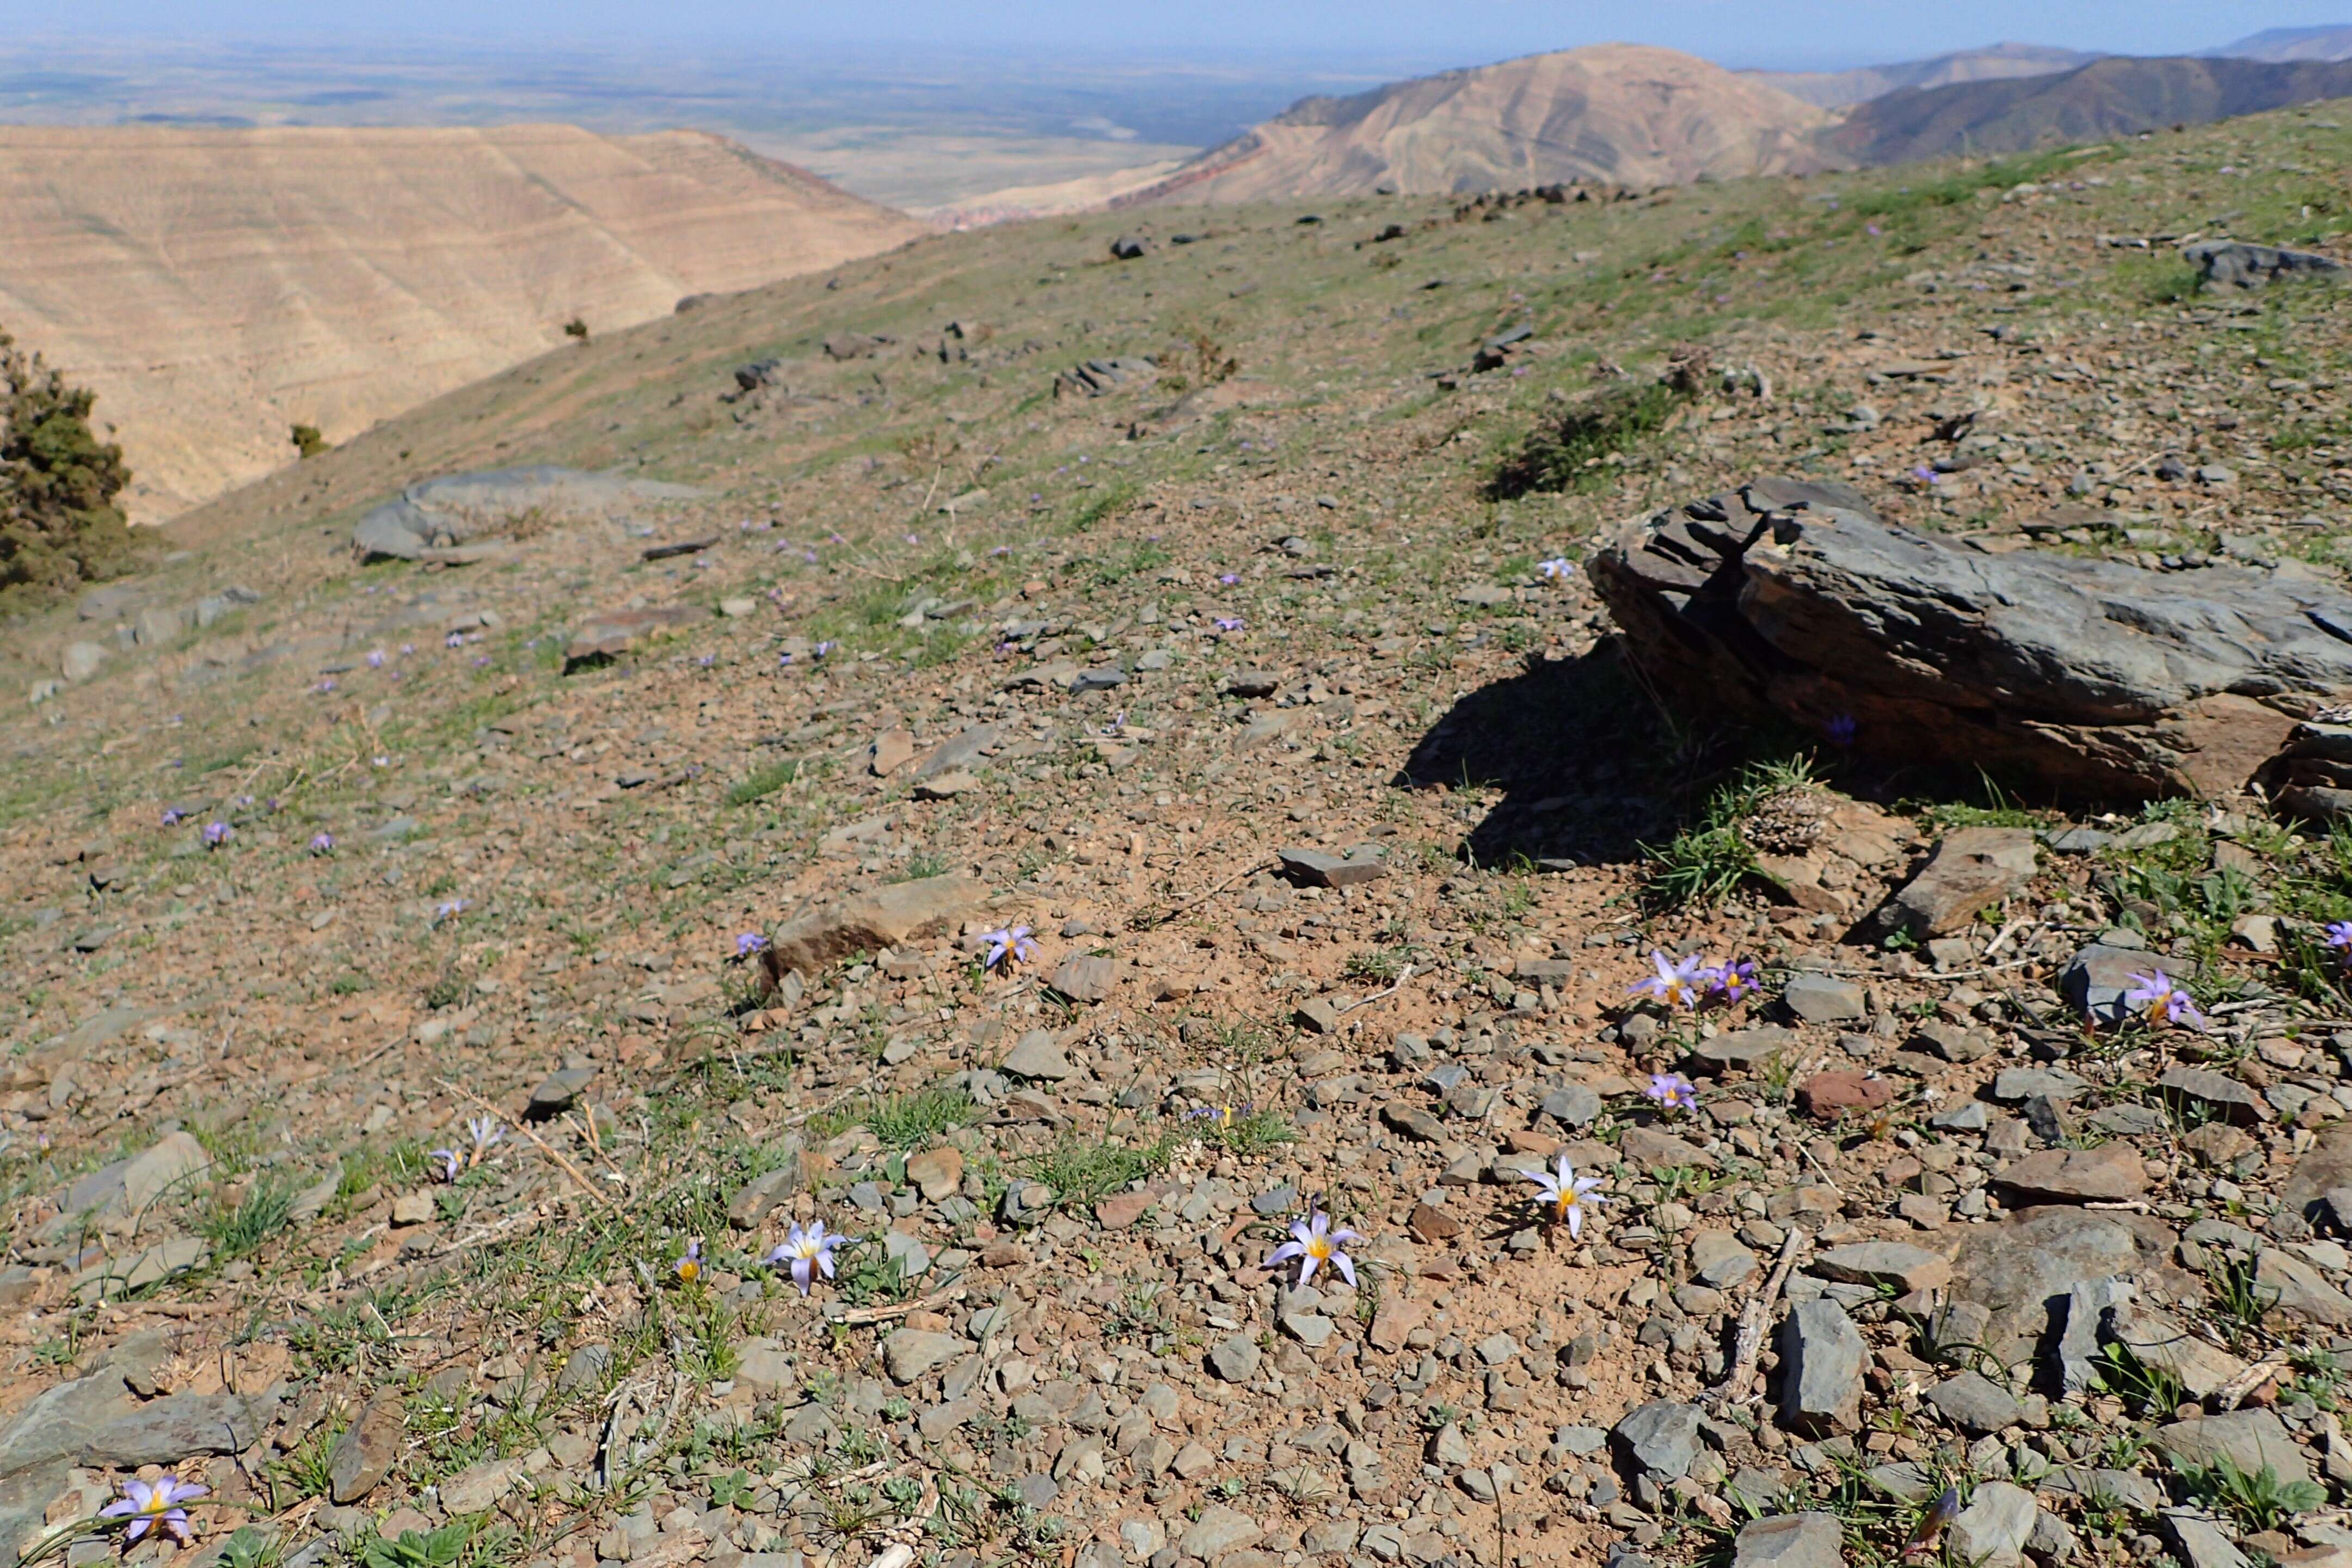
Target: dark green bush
{"type": "Point", "coordinates": [58, 522]}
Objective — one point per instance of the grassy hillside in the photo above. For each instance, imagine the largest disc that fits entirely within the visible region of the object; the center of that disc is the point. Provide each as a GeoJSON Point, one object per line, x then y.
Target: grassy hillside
{"type": "Point", "coordinates": [1287, 596]}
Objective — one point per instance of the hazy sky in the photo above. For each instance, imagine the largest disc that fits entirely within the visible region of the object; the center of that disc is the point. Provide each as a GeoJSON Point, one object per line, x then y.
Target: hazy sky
{"type": "Point", "coordinates": [1416, 33]}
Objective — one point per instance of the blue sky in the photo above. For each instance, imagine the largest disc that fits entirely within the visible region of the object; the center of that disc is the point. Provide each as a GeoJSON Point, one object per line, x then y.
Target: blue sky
{"type": "Point", "coordinates": [1413, 34]}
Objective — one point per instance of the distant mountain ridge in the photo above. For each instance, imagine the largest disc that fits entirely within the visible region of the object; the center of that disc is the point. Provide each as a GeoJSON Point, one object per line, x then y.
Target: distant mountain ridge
{"type": "Point", "coordinates": [2285, 44]}
{"type": "Point", "coordinates": [1836, 89]}
{"type": "Point", "coordinates": [215, 286]}
{"type": "Point", "coordinates": [1618, 113]}
{"type": "Point", "coordinates": [2118, 96]}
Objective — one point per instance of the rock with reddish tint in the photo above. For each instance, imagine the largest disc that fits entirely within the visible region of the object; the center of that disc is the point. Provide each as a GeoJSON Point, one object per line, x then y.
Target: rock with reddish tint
{"type": "Point", "coordinates": [868, 922]}
{"type": "Point", "coordinates": [1086, 977]}
{"type": "Point", "coordinates": [1398, 1316]}
{"type": "Point", "coordinates": [1122, 1209]}
{"type": "Point", "coordinates": [367, 1451]}
{"type": "Point", "coordinates": [1971, 870]}
{"type": "Point", "coordinates": [2110, 1172]}
{"type": "Point", "coordinates": [1833, 1094]}
{"type": "Point", "coordinates": [1648, 1148]}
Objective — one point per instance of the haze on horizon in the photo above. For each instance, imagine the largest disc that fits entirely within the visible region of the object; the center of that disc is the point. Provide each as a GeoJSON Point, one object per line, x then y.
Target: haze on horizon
{"type": "Point", "coordinates": [1383, 35]}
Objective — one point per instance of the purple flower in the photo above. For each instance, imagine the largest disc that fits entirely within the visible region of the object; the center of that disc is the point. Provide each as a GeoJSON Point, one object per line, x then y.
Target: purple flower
{"type": "Point", "coordinates": [2154, 994]}
{"type": "Point", "coordinates": [322, 843]}
{"type": "Point", "coordinates": [1679, 984]}
{"type": "Point", "coordinates": [484, 1131]}
{"type": "Point", "coordinates": [1008, 946]}
{"type": "Point", "coordinates": [1840, 729]}
{"type": "Point", "coordinates": [1314, 1243]}
{"type": "Point", "coordinates": [747, 943]}
{"type": "Point", "coordinates": [822, 649]}
{"type": "Point", "coordinates": [327, 686]}
{"type": "Point", "coordinates": [1568, 1192]}
{"type": "Point", "coordinates": [688, 1265]}
{"type": "Point", "coordinates": [155, 1507]}
{"type": "Point", "coordinates": [375, 659]}
{"type": "Point", "coordinates": [1735, 982]}
{"type": "Point", "coordinates": [1229, 578]}
{"type": "Point", "coordinates": [174, 816]}
{"type": "Point", "coordinates": [808, 1250]}
{"type": "Point", "coordinates": [407, 648]}
{"type": "Point", "coordinates": [457, 638]}
{"type": "Point", "coordinates": [1222, 1115]}
{"type": "Point", "coordinates": [1557, 568]}
{"type": "Point", "coordinates": [448, 911]}
{"type": "Point", "coordinates": [1926, 476]}
{"type": "Point", "coordinates": [1229, 623]}
{"type": "Point", "coordinates": [810, 556]}
{"type": "Point", "coordinates": [1673, 1091]}
{"type": "Point", "coordinates": [2339, 937]}
{"type": "Point", "coordinates": [1872, 228]}
{"type": "Point", "coordinates": [217, 833]}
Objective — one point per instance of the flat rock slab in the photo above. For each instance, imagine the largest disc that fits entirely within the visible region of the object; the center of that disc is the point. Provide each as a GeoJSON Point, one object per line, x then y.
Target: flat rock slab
{"type": "Point", "coordinates": [1315, 869]}
{"type": "Point", "coordinates": [2021, 1270]}
{"type": "Point", "coordinates": [868, 922]}
{"type": "Point", "coordinates": [1971, 870]}
{"type": "Point", "coordinates": [430, 519]}
{"type": "Point", "coordinates": [1662, 1438]}
{"type": "Point", "coordinates": [2093, 677]}
{"type": "Point", "coordinates": [2238, 264]}
{"type": "Point", "coordinates": [2096, 979]}
{"type": "Point", "coordinates": [612, 634]}
{"type": "Point", "coordinates": [1791, 1541]}
{"type": "Point", "coordinates": [2107, 1174]}
{"type": "Point", "coordinates": [1896, 1263]}
{"type": "Point", "coordinates": [1992, 1530]}
{"type": "Point", "coordinates": [1822, 1358]}
{"type": "Point", "coordinates": [2248, 1438]}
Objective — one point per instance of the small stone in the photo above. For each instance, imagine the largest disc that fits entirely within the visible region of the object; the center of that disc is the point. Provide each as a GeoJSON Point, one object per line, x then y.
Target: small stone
{"type": "Point", "coordinates": [1822, 1359]}
{"type": "Point", "coordinates": [1234, 1359]}
{"type": "Point", "coordinates": [1218, 1531]}
{"type": "Point", "coordinates": [1718, 1260]}
{"type": "Point", "coordinates": [2294, 1286]}
{"type": "Point", "coordinates": [946, 786]}
{"type": "Point", "coordinates": [1252, 684]}
{"type": "Point", "coordinates": [2096, 978]}
{"type": "Point", "coordinates": [1317, 1015]}
{"type": "Point", "coordinates": [908, 1352]}
{"type": "Point", "coordinates": [892, 750]}
{"type": "Point", "coordinates": [412, 1209]}
{"type": "Point", "coordinates": [1744, 1051]}
{"type": "Point", "coordinates": [367, 1451]}
{"type": "Point", "coordinates": [1897, 1263]}
{"type": "Point", "coordinates": [2159, 1341]}
{"type": "Point", "coordinates": [1449, 1447]}
{"type": "Point", "coordinates": [1971, 870]}
{"type": "Point", "coordinates": [1992, 1530]}
{"type": "Point", "coordinates": [2236, 1100]}
{"type": "Point", "coordinates": [1036, 1056]}
{"type": "Point", "coordinates": [1086, 977]}
{"type": "Point", "coordinates": [557, 1093]}
{"type": "Point", "coordinates": [1974, 1401]}
{"type": "Point", "coordinates": [2199, 1541]}
{"type": "Point", "coordinates": [1823, 999]}
{"type": "Point", "coordinates": [1791, 1541]}
{"type": "Point", "coordinates": [937, 1173]}
{"type": "Point", "coordinates": [1572, 1106]}
{"type": "Point", "coordinates": [1315, 869]}
{"type": "Point", "coordinates": [1662, 1438]}
{"type": "Point", "coordinates": [1829, 1096]}
{"type": "Point", "coordinates": [2112, 1171]}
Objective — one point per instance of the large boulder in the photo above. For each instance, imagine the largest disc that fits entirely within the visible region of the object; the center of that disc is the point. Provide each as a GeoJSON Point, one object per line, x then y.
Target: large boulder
{"type": "Point", "coordinates": [2091, 677]}
{"type": "Point", "coordinates": [449, 519]}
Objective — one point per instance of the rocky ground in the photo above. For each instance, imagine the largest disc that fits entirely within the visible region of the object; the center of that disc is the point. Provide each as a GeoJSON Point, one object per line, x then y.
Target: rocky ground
{"type": "Point", "coordinates": [1247, 681]}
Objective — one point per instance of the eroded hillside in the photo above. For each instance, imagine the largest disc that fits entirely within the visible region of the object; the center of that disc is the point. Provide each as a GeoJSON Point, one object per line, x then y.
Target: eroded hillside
{"type": "Point", "coordinates": [1183, 798]}
{"type": "Point", "coordinates": [217, 287]}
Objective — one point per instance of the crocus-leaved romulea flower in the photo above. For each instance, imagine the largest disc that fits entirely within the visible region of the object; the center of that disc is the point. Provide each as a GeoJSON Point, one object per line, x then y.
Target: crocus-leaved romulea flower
{"type": "Point", "coordinates": [1672, 1090]}
{"type": "Point", "coordinates": [1566, 1193]}
{"type": "Point", "coordinates": [217, 833]}
{"type": "Point", "coordinates": [1678, 983]}
{"type": "Point", "coordinates": [1557, 568]}
{"type": "Point", "coordinates": [1006, 947]}
{"type": "Point", "coordinates": [485, 1132]}
{"type": "Point", "coordinates": [2339, 937]}
{"type": "Point", "coordinates": [750, 943]}
{"type": "Point", "coordinates": [174, 816]}
{"type": "Point", "coordinates": [686, 1267]}
{"type": "Point", "coordinates": [809, 1252]}
{"type": "Point", "coordinates": [156, 1505]}
{"type": "Point", "coordinates": [1314, 1243]}
{"type": "Point", "coordinates": [1734, 982]}
{"type": "Point", "coordinates": [1840, 729]}
{"type": "Point", "coordinates": [2153, 994]}
{"type": "Point", "coordinates": [1229, 623]}
{"type": "Point", "coordinates": [322, 843]}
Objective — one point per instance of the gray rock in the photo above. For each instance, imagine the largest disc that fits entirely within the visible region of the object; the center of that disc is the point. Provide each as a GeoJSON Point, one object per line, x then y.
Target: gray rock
{"type": "Point", "coordinates": [1234, 1359]}
{"type": "Point", "coordinates": [2162, 1342]}
{"type": "Point", "coordinates": [2101, 1487]}
{"type": "Point", "coordinates": [1745, 1049]}
{"type": "Point", "coordinates": [2089, 676]}
{"type": "Point", "coordinates": [558, 1092]}
{"type": "Point", "coordinates": [1572, 1106]}
{"type": "Point", "coordinates": [760, 1197]}
{"type": "Point", "coordinates": [1448, 1447]}
{"type": "Point", "coordinates": [1968, 1117]}
{"type": "Point", "coordinates": [2078, 1343]}
{"type": "Point", "coordinates": [1822, 1358]}
{"type": "Point", "coordinates": [1661, 1437]}
{"type": "Point", "coordinates": [1218, 1531]}
{"type": "Point", "coordinates": [2011, 1085]}
{"type": "Point", "coordinates": [2249, 1439]}
{"type": "Point", "coordinates": [888, 916]}
{"type": "Point", "coordinates": [1252, 684]}
{"type": "Point", "coordinates": [1974, 1401]}
{"type": "Point", "coordinates": [2199, 1541]}
{"type": "Point", "coordinates": [1791, 1541]}
{"type": "Point", "coordinates": [1898, 1264]}
{"type": "Point", "coordinates": [439, 519]}
{"type": "Point", "coordinates": [2235, 1101]}
{"type": "Point", "coordinates": [2239, 264]}
{"type": "Point", "coordinates": [2021, 1270]}
{"type": "Point", "coordinates": [2296, 1289]}
{"type": "Point", "coordinates": [1823, 999]}
{"type": "Point", "coordinates": [1036, 1056]}
{"type": "Point", "coordinates": [1086, 977]}
{"type": "Point", "coordinates": [367, 1451]}
{"type": "Point", "coordinates": [909, 1353]}
{"type": "Point", "coordinates": [168, 1167]}
{"type": "Point", "coordinates": [1718, 1260]}
{"type": "Point", "coordinates": [1362, 864]}
{"type": "Point", "coordinates": [1992, 1530]}
{"type": "Point", "coordinates": [2096, 979]}
{"type": "Point", "coordinates": [56, 1424]}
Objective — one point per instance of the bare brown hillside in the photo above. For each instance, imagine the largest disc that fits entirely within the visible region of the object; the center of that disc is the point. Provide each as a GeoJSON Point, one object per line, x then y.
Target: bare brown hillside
{"type": "Point", "coordinates": [1616, 112]}
{"type": "Point", "coordinates": [217, 286]}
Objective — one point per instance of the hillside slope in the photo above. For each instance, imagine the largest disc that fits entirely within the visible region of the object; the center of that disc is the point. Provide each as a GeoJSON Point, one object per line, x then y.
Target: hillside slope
{"type": "Point", "coordinates": [2292, 43]}
{"type": "Point", "coordinates": [1615, 112]}
{"type": "Point", "coordinates": [2118, 96]}
{"type": "Point", "coordinates": [1835, 90]}
{"type": "Point", "coordinates": [215, 286]}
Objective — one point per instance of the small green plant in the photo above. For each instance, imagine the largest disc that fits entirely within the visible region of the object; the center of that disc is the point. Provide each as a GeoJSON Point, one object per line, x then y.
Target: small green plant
{"type": "Point", "coordinates": [732, 1490]}
{"type": "Point", "coordinates": [916, 867]}
{"type": "Point", "coordinates": [763, 782]}
{"type": "Point", "coordinates": [2150, 1389]}
{"type": "Point", "coordinates": [241, 1230]}
{"type": "Point", "coordinates": [2259, 1500]}
{"type": "Point", "coordinates": [441, 1548]}
{"type": "Point", "coordinates": [1082, 1171]}
{"type": "Point", "coordinates": [307, 442]}
{"type": "Point", "coordinates": [576, 329]}
{"type": "Point", "coordinates": [2238, 1298]}
{"type": "Point", "coordinates": [1573, 452]}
